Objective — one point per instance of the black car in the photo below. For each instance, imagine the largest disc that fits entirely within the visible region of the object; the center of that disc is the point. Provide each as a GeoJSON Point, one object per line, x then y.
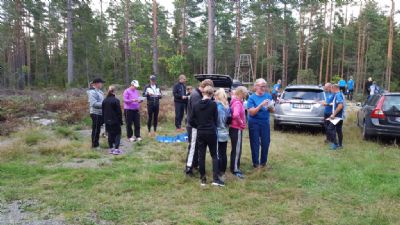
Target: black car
{"type": "Point", "coordinates": [220, 81]}
{"type": "Point", "coordinates": [380, 116]}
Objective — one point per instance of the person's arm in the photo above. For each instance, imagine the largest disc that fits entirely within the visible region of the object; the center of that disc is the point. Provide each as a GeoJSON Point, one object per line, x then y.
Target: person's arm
{"type": "Point", "coordinates": [216, 116]}
{"type": "Point", "coordinates": [119, 112]}
{"type": "Point", "coordinates": [337, 110]}
{"type": "Point", "coordinates": [255, 109]}
{"type": "Point", "coordinates": [176, 92]}
{"type": "Point", "coordinates": [145, 94]}
{"type": "Point", "coordinates": [93, 101]}
{"type": "Point", "coordinates": [192, 120]}
{"type": "Point", "coordinates": [160, 96]}
{"type": "Point", "coordinates": [102, 108]}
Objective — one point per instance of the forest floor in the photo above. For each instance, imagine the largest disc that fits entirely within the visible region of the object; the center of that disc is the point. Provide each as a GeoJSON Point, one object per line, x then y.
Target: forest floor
{"type": "Point", "coordinates": [50, 175]}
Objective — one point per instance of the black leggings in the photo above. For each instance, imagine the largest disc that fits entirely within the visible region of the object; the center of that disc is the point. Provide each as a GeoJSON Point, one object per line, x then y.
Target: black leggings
{"type": "Point", "coordinates": [152, 112]}
{"type": "Point", "coordinates": [97, 122]}
{"type": "Point", "coordinates": [222, 158]}
{"type": "Point", "coordinates": [114, 135]}
{"type": "Point", "coordinates": [132, 116]}
{"type": "Point", "coordinates": [333, 130]}
{"type": "Point", "coordinates": [210, 140]}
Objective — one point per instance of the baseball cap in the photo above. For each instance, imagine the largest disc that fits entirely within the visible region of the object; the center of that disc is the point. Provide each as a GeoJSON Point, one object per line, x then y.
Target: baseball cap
{"type": "Point", "coordinates": [135, 83]}
{"type": "Point", "coordinates": [153, 77]}
{"type": "Point", "coordinates": [97, 80]}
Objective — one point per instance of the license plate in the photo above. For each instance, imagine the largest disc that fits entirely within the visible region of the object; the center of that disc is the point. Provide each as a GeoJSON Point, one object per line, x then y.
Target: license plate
{"type": "Point", "coordinates": [302, 106]}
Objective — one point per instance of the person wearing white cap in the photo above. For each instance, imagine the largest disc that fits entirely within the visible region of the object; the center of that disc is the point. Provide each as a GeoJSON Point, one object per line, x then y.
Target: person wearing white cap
{"type": "Point", "coordinates": [153, 94]}
{"type": "Point", "coordinates": [132, 100]}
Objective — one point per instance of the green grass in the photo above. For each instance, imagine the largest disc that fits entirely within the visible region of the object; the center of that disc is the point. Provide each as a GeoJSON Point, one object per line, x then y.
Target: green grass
{"type": "Point", "coordinates": [306, 184]}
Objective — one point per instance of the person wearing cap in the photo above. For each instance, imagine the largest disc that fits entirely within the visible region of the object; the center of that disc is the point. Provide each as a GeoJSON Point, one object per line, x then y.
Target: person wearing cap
{"type": "Point", "coordinates": [153, 94]}
{"type": "Point", "coordinates": [368, 85]}
{"type": "Point", "coordinates": [95, 99]}
{"type": "Point", "coordinates": [180, 100]}
{"type": "Point", "coordinates": [132, 102]}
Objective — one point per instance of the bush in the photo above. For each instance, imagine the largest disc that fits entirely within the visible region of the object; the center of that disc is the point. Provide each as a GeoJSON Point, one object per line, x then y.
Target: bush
{"type": "Point", "coordinates": [66, 132]}
{"type": "Point", "coordinates": [306, 77]}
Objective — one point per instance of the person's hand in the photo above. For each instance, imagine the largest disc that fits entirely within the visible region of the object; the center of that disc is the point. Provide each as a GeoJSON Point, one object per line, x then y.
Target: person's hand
{"type": "Point", "coordinates": [184, 97]}
{"type": "Point", "coordinates": [332, 117]}
{"type": "Point", "coordinates": [135, 100]}
{"type": "Point", "coordinates": [264, 103]}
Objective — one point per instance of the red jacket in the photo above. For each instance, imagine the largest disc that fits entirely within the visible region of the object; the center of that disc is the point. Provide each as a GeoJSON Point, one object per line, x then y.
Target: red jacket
{"type": "Point", "coordinates": [238, 114]}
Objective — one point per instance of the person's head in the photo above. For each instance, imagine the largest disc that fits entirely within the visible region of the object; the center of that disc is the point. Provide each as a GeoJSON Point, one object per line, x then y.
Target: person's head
{"type": "Point", "coordinates": [205, 83]}
{"type": "Point", "coordinates": [208, 91]}
{"type": "Point", "coordinates": [260, 86]}
{"type": "Point", "coordinates": [182, 78]}
{"type": "Point", "coordinates": [153, 79]}
{"type": "Point", "coordinates": [97, 83]}
{"type": "Point", "coordinates": [279, 81]}
{"type": "Point", "coordinates": [240, 92]}
{"type": "Point", "coordinates": [189, 89]}
{"type": "Point", "coordinates": [111, 90]}
{"type": "Point", "coordinates": [134, 84]}
{"type": "Point", "coordinates": [351, 77]}
{"type": "Point", "coordinates": [369, 79]}
{"type": "Point", "coordinates": [327, 87]}
{"type": "Point", "coordinates": [221, 96]}
{"type": "Point", "coordinates": [335, 88]}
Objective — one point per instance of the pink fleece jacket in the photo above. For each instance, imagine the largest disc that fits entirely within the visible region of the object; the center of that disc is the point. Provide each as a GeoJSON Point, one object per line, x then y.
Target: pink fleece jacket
{"type": "Point", "coordinates": [238, 114]}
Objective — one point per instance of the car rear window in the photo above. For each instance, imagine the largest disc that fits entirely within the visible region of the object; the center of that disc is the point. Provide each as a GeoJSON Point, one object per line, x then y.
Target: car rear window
{"type": "Point", "coordinates": [390, 101]}
{"type": "Point", "coordinates": [304, 94]}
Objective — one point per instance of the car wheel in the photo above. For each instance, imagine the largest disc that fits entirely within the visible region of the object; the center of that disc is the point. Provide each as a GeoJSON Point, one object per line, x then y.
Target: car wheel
{"type": "Point", "coordinates": [365, 134]}
{"type": "Point", "coordinates": [277, 126]}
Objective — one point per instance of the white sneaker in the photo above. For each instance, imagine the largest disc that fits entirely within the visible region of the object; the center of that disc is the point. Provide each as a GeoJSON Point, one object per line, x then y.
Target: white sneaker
{"type": "Point", "coordinates": [132, 139]}
{"type": "Point", "coordinates": [138, 139]}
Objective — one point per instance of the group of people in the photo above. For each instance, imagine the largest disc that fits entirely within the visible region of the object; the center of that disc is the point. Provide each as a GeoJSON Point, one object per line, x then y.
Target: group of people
{"type": "Point", "coordinates": [212, 121]}
{"type": "Point", "coordinates": [108, 111]}
{"type": "Point", "coordinates": [334, 114]}
{"type": "Point", "coordinates": [347, 87]}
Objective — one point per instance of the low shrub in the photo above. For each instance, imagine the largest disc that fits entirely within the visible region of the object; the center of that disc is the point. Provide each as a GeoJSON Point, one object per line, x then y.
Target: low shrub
{"type": "Point", "coordinates": [33, 138]}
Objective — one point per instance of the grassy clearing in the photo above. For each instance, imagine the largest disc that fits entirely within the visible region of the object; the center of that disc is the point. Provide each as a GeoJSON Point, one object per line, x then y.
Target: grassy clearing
{"type": "Point", "coordinates": [305, 184]}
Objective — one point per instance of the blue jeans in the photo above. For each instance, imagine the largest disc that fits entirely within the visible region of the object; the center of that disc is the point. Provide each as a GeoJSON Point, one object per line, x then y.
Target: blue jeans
{"type": "Point", "coordinates": [259, 131]}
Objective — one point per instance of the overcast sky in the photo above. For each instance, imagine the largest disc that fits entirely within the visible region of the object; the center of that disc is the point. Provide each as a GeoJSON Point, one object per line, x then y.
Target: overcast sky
{"type": "Point", "coordinates": [353, 10]}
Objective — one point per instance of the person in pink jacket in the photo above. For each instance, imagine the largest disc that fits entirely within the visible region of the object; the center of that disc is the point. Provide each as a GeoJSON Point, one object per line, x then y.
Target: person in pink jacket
{"type": "Point", "coordinates": [238, 124]}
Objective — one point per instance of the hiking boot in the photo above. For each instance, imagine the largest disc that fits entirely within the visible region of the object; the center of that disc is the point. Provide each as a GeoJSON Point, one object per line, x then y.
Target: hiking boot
{"type": "Point", "coordinates": [218, 183]}
{"type": "Point", "coordinates": [132, 139]}
{"type": "Point", "coordinates": [189, 172]}
{"type": "Point", "coordinates": [334, 147]}
{"type": "Point", "coordinates": [111, 151]}
{"type": "Point", "coordinates": [203, 181]}
{"type": "Point", "coordinates": [138, 139]}
{"type": "Point", "coordinates": [117, 152]}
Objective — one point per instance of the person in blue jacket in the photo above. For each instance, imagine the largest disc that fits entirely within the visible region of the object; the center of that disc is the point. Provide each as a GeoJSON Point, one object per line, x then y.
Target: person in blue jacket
{"type": "Point", "coordinates": [342, 85]}
{"type": "Point", "coordinates": [350, 88]}
{"type": "Point", "coordinates": [328, 107]}
{"type": "Point", "coordinates": [276, 89]}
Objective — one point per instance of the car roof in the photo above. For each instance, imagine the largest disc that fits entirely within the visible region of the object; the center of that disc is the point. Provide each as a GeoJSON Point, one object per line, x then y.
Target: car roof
{"type": "Point", "coordinates": [303, 86]}
{"type": "Point", "coordinates": [220, 80]}
{"type": "Point", "coordinates": [391, 93]}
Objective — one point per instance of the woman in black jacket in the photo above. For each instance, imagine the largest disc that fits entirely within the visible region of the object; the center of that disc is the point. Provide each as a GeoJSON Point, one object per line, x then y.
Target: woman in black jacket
{"type": "Point", "coordinates": [112, 114]}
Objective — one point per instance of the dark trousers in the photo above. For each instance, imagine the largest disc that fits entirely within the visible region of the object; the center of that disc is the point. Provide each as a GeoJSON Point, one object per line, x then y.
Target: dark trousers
{"type": "Point", "coordinates": [343, 89]}
{"type": "Point", "coordinates": [326, 124]}
{"type": "Point", "coordinates": [210, 141]}
{"type": "Point", "coordinates": [222, 158]}
{"type": "Point", "coordinates": [114, 135]}
{"type": "Point", "coordinates": [236, 136]}
{"type": "Point", "coordinates": [350, 95]}
{"type": "Point", "coordinates": [152, 112]}
{"type": "Point", "coordinates": [97, 122]}
{"type": "Point", "coordinates": [192, 159]}
{"type": "Point", "coordinates": [275, 97]}
{"type": "Point", "coordinates": [179, 112]}
{"type": "Point", "coordinates": [333, 130]}
{"type": "Point", "coordinates": [132, 117]}
{"type": "Point", "coordinates": [259, 131]}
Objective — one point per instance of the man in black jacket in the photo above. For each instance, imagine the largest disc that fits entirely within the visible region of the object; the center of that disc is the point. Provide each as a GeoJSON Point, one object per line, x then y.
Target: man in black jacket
{"type": "Point", "coordinates": [112, 113]}
{"type": "Point", "coordinates": [192, 155]}
{"type": "Point", "coordinates": [153, 94]}
{"type": "Point", "coordinates": [180, 100]}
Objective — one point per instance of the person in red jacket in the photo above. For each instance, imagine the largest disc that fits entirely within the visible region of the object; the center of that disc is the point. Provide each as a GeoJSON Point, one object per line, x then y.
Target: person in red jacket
{"type": "Point", "coordinates": [236, 129]}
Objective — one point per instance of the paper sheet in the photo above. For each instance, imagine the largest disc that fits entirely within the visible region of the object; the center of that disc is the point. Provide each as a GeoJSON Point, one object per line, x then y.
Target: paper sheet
{"type": "Point", "coordinates": [335, 121]}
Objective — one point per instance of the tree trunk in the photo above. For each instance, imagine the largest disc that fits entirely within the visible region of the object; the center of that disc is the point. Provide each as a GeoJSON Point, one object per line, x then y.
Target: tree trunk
{"type": "Point", "coordinates": [155, 37]}
{"type": "Point", "coordinates": [358, 69]}
{"type": "Point", "coordinates": [328, 60]}
{"type": "Point", "coordinates": [256, 59]}
{"type": "Point", "coordinates": [285, 48]}
{"type": "Point", "coordinates": [19, 46]}
{"type": "Point", "coordinates": [126, 42]}
{"type": "Point", "coordinates": [321, 62]}
{"type": "Point", "coordinates": [211, 37]}
{"type": "Point", "coordinates": [237, 48]}
{"type": "Point", "coordinates": [301, 44]}
{"type": "Point", "coordinates": [310, 26]}
{"type": "Point", "coordinates": [343, 45]}
{"type": "Point", "coordinates": [70, 50]}
{"type": "Point", "coordinates": [183, 29]}
{"type": "Point", "coordinates": [388, 74]}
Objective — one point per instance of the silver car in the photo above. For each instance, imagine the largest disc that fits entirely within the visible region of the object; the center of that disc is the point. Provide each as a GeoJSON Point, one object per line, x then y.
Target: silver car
{"type": "Point", "coordinates": [300, 105]}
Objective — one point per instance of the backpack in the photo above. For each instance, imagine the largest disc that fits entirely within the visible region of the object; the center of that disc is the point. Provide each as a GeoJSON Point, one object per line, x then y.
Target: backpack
{"type": "Point", "coordinates": [377, 90]}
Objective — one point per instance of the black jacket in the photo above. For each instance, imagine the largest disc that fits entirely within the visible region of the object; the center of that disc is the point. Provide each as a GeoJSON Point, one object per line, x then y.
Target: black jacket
{"type": "Point", "coordinates": [179, 91]}
{"type": "Point", "coordinates": [195, 97]}
{"type": "Point", "coordinates": [205, 117]}
{"type": "Point", "coordinates": [112, 111]}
